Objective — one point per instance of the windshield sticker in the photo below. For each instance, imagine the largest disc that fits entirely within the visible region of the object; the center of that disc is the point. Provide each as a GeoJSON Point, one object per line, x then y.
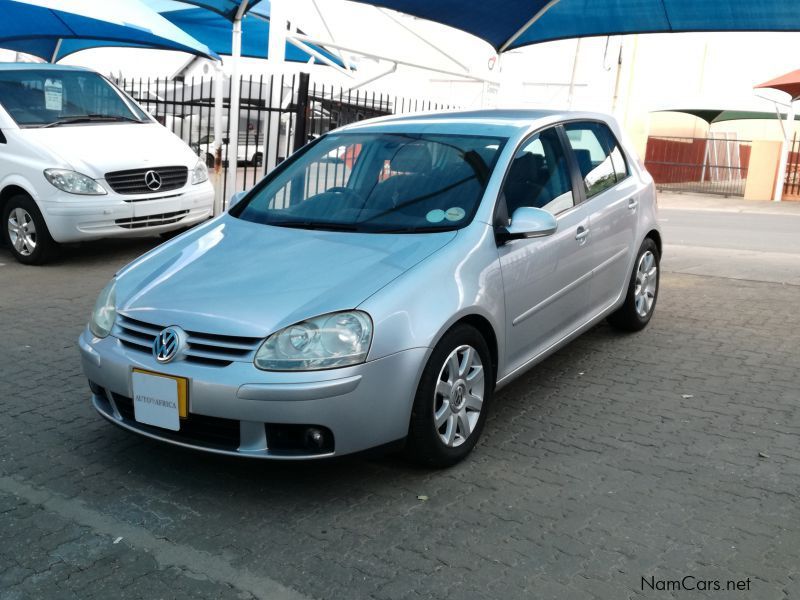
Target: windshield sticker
{"type": "Point", "coordinates": [53, 94]}
{"type": "Point", "coordinates": [455, 213]}
{"type": "Point", "coordinates": [435, 216]}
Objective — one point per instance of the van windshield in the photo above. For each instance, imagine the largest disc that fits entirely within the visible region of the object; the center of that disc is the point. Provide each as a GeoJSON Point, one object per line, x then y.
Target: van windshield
{"type": "Point", "coordinates": [377, 183]}
{"type": "Point", "coordinates": [48, 98]}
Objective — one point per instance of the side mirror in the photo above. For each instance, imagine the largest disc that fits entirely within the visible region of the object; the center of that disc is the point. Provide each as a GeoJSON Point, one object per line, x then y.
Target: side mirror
{"type": "Point", "coordinates": [235, 199]}
{"type": "Point", "coordinates": [528, 222]}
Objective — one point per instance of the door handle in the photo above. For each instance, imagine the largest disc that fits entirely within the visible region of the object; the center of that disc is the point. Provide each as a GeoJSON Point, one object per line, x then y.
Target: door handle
{"type": "Point", "coordinates": [633, 203]}
{"type": "Point", "coordinates": [582, 233]}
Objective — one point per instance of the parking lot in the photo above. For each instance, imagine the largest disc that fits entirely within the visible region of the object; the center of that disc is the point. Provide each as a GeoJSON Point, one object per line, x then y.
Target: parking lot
{"type": "Point", "coordinates": [663, 454]}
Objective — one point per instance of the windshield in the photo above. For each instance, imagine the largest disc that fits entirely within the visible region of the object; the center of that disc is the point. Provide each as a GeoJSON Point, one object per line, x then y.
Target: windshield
{"type": "Point", "coordinates": [378, 183]}
{"type": "Point", "coordinates": [46, 97]}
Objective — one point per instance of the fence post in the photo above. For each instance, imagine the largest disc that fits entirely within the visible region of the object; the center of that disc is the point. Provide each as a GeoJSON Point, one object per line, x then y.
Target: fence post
{"type": "Point", "coordinates": [301, 122]}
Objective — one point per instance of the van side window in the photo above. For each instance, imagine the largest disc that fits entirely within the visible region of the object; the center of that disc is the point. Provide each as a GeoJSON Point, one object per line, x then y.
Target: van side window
{"type": "Point", "coordinates": [539, 175]}
{"type": "Point", "coordinates": [597, 152]}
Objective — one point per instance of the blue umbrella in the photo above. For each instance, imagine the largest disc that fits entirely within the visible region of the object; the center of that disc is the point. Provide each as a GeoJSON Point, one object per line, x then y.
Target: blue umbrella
{"type": "Point", "coordinates": [41, 27]}
{"type": "Point", "coordinates": [226, 8]}
{"type": "Point", "coordinates": [508, 24]}
{"type": "Point", "coordinates": [213, 30]}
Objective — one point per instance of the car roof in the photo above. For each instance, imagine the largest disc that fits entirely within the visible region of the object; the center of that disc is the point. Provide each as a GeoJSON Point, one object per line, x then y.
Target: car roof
{"type": "Point", "coordinates": [17, 66]}
{"type": "Point", "coordinates": [500, 122]}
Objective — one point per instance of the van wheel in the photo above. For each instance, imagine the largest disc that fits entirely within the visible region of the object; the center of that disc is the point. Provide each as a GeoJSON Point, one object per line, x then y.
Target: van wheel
{"type": "Point", "coordinates": [640, 299]}
{"type": "Point", "coordinates": [25, 232]}
{"type": "Point", "coordinates": [452, 399]}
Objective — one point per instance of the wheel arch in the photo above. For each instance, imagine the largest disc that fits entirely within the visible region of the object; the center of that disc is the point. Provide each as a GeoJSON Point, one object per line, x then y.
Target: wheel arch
{"type": "Point", "coordinates": [485, 328]}
{"type": "Point", "coordinates": [654, 235]}
{"type": "Point", "coordinates": [10, 191]}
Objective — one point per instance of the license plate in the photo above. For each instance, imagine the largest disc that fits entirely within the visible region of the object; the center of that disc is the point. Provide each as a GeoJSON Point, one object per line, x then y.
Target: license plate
{"type": "Point", "coordinates": [159, 400]}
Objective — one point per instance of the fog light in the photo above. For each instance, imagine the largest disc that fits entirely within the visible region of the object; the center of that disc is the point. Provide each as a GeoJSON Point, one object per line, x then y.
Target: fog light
{"type": "Point", "coordinates": [314, 438]}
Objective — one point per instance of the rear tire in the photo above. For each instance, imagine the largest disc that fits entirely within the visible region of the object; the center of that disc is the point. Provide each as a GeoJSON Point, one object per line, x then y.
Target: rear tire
{"type": "Point", "coordinates": [25, 232]}
{"type": "Point", "coordinates": [452, 400]}
{"type": "Point", "coordinates": [642, 294]}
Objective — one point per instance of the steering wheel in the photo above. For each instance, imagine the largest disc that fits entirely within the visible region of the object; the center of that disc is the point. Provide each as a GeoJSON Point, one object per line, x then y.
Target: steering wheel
{"type": "Point", "coordinates": [348, 195]}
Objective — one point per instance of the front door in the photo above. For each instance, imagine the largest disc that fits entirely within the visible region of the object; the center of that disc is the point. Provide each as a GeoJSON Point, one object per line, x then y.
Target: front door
{"type": "Point", "coordinates": [546, 280]}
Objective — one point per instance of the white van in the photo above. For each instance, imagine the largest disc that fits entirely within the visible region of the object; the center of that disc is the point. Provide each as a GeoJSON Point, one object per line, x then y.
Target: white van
{"type": "Point", "coordinates": [80, 160]}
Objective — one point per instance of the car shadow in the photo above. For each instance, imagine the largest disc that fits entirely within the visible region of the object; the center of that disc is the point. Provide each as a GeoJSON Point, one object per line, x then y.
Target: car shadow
{"type": "Point", "coordinates": [86, 254]}
{"type": "Point", "coordinates": [374, 471]}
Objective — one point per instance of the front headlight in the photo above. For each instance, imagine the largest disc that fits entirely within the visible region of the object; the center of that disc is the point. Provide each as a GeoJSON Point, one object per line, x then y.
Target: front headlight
{"type": "Point", "coordinates": [105, 311]}
{"type": "Point", "coordinates": [73, 182]}
{"type": "Point", "coordinates": [333, 340]}
{"type": "Point", "coordinates": [199, 173]}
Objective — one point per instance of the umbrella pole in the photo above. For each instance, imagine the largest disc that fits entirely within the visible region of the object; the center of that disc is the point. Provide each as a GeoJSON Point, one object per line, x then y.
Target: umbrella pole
{"type": "Point", "coordinates": [276, 55]}
{"type": "Point", "coordinates": [778, 196]}
{"type": "Point", "coordinates": [233, 113]}
{"type": "Point", "coordinates": [56, 50]}
{"type": "Point", "coordinates": [219, 82]}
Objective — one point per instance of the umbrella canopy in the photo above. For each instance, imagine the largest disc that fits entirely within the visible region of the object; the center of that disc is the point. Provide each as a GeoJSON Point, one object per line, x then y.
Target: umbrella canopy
{"type": "Point", "coordinates": [212, 29]}
{"type": "Point", "coordinates": [789, 83]}
{"type": "Point", "coordinates": [225, 8]}
{"type": "Point", "coordinates": [40, 27]}
{"type": "Point", "coordinates": [510, 24]}
{"type": "Point", "coordinates": [711, 115]}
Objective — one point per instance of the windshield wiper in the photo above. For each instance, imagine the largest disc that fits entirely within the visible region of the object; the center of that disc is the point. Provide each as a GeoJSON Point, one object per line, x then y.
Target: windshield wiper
{"type": "Point", "coordinates": [315, 225]}
{"type": "Point", "coordinates": [89, 119]}
{"type": "Point", "coordinates": [420, 229]}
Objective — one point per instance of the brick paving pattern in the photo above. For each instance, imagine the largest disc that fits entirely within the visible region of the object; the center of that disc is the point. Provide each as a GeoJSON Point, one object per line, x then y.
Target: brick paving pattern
{"type": "Point", "coordinates": [667, 453]}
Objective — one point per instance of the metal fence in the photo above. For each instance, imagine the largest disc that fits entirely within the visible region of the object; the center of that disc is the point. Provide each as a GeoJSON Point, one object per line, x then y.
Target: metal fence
{"type": "Point", "coordinates": [277, 115]}
{"type": "Point", "coordinates": [710, 165]}
{"type": "Point", "coordinates": [791, 184]}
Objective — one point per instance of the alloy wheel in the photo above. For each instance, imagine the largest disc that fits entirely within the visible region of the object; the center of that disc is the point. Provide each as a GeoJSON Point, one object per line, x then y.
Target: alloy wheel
{"type": "Point", "coordinates": [22, 231]}
{"type": "Point", "coordinates": [646, 284]}
{"type": "Point", "coordinates": [458, 398]}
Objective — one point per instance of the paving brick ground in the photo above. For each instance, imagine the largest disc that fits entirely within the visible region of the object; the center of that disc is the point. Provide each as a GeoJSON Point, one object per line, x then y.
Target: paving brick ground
{"type": "Point", "coordinates": [668, 453]}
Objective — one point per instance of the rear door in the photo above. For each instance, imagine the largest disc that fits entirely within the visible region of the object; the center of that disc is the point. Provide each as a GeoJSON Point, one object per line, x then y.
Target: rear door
{"type": "Point", "coordinates": [546, 280]}
{"type": "Point", "coordinates": [612, 203]}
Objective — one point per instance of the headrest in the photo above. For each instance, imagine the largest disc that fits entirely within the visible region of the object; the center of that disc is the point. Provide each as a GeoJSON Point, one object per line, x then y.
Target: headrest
{"type": "Point", "coordinates": [524, 167]}
{"type": "Point", "coordinates": [412, 158]}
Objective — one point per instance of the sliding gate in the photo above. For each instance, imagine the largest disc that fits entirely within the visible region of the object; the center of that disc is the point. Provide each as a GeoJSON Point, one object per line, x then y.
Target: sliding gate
{"type": "Point", "coordinates": [709, 165]}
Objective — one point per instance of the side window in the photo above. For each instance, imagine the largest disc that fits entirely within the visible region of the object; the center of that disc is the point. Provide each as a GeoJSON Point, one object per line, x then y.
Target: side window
{"type": "Point", "coordinates": [600, 160]}
{"type": "Point", "coordinates": [539, 176]}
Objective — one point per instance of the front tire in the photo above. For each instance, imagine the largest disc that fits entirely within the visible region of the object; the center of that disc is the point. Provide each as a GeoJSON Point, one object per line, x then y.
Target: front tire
{"type": "Point", "coordinates": [640, 299]}
{"type": "Point", "coordinates": [25, 232]}
{"type": "Point", "coordinates": [452, 399]}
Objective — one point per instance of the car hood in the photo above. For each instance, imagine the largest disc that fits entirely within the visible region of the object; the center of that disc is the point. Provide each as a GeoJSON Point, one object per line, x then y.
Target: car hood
{"type": "Point", "coordinates": [233, 277]}
{"type": "Point", "coordinates": [96, 149]}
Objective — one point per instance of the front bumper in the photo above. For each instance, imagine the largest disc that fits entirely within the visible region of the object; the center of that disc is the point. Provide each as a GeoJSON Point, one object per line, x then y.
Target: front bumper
{"type": "Point", "coordinates": [72, 218]}
{"type": "Point", "coordinates": [240, 410]}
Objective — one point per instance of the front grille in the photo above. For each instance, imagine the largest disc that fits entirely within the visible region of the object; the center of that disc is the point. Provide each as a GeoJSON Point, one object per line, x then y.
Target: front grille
{"type": "Point", "coordinates": [203, 348]}
{"type": "Point", "coordinates": [152, 220]}
{"type": "Point", "coordinates": [133, 181]}
{"type": "Point", "coordinates": [199, 429]}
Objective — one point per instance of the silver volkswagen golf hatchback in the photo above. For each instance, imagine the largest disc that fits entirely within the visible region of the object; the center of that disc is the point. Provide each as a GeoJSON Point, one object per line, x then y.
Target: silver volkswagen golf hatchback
{"type": "Point", "coordinates": [379, 286]}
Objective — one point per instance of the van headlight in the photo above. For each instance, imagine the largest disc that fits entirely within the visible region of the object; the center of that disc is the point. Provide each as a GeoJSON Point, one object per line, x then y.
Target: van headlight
{"type": "Point", "coordinates": [105, 311]}
{"type": "Point", "coordinates": [73, 182]}
{"type": "Point", "coordinates": [333, 340]}
{"type": "Point", "coordinates": [199, 173]}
